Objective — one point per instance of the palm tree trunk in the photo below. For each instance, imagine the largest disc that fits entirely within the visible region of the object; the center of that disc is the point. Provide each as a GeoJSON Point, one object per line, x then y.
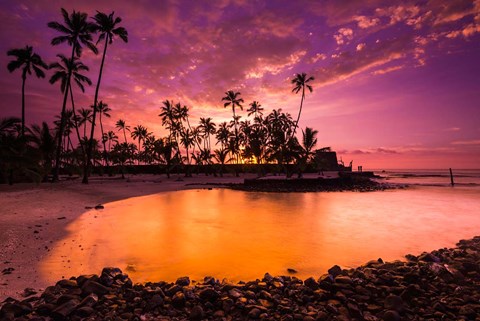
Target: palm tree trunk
{"type": "Point", "coordinates": [75, 121]}
{"type": "Point", "coordinates": [24, 78]}
{"type": "Point", "coordinates": [62, 122]}
{"type": "Point", "coordinates": [124, 135]}
{"type": "Point", "coordinates": [92, 132]}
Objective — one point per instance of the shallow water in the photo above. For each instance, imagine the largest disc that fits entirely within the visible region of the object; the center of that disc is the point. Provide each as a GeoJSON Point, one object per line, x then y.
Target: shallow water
{"type": "Point", "coordinates": [241, 235]}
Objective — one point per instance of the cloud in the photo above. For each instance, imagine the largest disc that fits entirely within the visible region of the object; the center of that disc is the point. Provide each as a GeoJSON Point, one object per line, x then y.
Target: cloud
{"type": "Point", "coordinates": [348, 64]}
{"type": "Point", "coordinates": [452, 129]}
{"type": "Point", "coordinates": [343, 35]}
{"type": "Point", "coordinates": [366, 22]}
{"type": "Point", "coordinates": [466, 142]}
{"type": "Point", "coordinates": [360, 46]}
{"type": "Point", "coordinates": [387, 70]}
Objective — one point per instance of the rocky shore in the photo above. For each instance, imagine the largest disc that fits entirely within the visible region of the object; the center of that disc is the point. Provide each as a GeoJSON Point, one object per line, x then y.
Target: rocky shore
{"type": "Point", "coordinates": [337, 184]}
{"type": "Point", "coordinates": [441, 285]}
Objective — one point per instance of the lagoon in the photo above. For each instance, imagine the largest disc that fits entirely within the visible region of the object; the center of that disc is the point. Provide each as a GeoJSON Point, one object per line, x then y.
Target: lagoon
{"type": "Point", "coordinates": [241, 235]}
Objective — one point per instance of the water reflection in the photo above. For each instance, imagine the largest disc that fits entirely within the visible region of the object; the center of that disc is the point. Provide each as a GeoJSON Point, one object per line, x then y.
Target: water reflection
{"type": "Point", "coordinates": [241, 235]}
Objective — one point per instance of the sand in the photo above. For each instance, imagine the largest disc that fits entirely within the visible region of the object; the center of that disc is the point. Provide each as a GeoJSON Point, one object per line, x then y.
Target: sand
{"type": "Point", "coordinates": [34, 217]}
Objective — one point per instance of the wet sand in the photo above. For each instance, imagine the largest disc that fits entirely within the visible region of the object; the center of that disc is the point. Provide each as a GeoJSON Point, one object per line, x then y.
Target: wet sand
{"type": "Point", "coordinates": [34, 217]}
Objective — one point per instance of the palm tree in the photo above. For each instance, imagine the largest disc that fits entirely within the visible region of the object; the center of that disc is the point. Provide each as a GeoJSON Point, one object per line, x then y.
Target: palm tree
{"type": "Point", "coordinates": [301, 81]}
{"type": "Point", "coordinates": [76, 32]}
{"type": "Point", "coordinates": [106, 25]}
{"type": "Point", "coordinates": [121, 125]}
{"type": "Point", "coordinates": [85, 116]}
{"type": "Point", "coordinates": [27, 60]}
{"type": "Point", "coordinates": [207, 128]}
{"type": "Point", "coordinates": [309, 141]}
{"type": "Point", "coordinates": [111, 137]}
{"type": "Point", "coordinates": [139, 132]}
{"type": "Point", "coordinates": [255, 108]}
{"type": "Point", "coordinates": [63, 70]}
{"type": "Point", "coordinates": [167, 116]}
{"type": "Point", "coordinates": [44, 143]}
{"type": "Point", "coordinates": [232, 99]}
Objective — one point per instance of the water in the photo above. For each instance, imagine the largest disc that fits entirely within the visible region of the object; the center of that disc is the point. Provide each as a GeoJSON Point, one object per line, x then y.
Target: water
{"type": "Point", "coordinates": [240, 236]}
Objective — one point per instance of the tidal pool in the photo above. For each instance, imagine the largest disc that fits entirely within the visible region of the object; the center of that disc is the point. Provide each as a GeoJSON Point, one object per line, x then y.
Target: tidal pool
{"type": "Point", "coordinates": [241, 235]}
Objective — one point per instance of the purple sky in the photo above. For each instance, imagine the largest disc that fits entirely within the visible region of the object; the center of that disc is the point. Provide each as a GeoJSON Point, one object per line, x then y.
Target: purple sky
{"type": "Point", "coordinates": [397, 86]}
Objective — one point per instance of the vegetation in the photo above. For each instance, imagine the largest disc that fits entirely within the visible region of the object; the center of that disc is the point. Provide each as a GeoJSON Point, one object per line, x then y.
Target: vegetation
{"type": "Point", "coordinates": [40, 152]}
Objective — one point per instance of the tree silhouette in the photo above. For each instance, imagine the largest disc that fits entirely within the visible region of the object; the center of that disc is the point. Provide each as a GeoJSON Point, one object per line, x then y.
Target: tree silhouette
{"type": "Point", "coordinates": [232, 99]}
{"type": "Point", "coordinates": [76, 31]}
{"type": "Point", "coordinates": [106, 25]}
{"type": "Point", "coordinates": [27, 60]}
{"type": "Point", "coordinates": [300, 81]}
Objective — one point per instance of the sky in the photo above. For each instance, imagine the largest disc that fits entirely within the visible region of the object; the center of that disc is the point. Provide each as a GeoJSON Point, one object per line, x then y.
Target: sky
{"type": "Point", "coordinates": [397, 83]}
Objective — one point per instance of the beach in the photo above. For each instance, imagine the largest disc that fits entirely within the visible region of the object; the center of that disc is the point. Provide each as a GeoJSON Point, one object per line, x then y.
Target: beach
{"type": "Point", "coordinates": [34, 217]}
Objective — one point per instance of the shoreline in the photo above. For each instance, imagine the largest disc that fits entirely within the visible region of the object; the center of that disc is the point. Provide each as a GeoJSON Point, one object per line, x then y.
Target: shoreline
{"type": "Point", "coordinates": [442, 284]}
{"type": "Point", "coordinates": [33, 217]}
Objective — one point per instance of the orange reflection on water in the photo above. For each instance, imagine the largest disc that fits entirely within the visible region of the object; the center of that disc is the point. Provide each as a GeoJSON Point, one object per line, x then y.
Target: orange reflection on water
{"type": "Point", "coordinates": [240, 236]}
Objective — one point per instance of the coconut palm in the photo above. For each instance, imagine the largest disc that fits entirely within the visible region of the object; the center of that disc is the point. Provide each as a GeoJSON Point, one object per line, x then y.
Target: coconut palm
{"type": "Point", "coordinates": [139, 132]}
{"type": "Point", "coordinates": [27, 60]}
{"type": "Point", "coordinates": [44, 143]}
{"type": "Point", "coordinates": [76, 31]}
{"type": "Point", "coordinates": [232, 99]}
{"type": "Point", "coordinates": [255, 108]}
{"type": "Point", "coordinates": [207, 128]}
{"type": "Point", "coordinates": [121, 125]}
{"type": "Point", "coordinates": [167, 116]}
{"type": "Point", "coordinates": [85, 116]}
{"type": "Point", "coordinates": [300, 81]}
{"type": "Point", "coordinates": [111, 137]}
{"type": "Point", "coordinates": [65, 70]}
{"type": "Point", "coordinates": [309, 141]}
{"type": "Point", "coordinates": [108, 28]}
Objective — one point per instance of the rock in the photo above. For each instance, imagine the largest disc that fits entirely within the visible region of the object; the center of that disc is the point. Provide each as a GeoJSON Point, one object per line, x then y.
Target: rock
{"type": "Point", "coordinates": [343, 279]}
{"type": "Point", "coordinates": [99, 207]}
{"type": "Point", "coordinates": [28, 292]}
{"type": "Point", "coordinates": [183, 281]}
{"type": "Point", "coordinates": [64, 310]}
{"type": "Point", "coordinates": [208, 294]}
{"type": "Point", "coordinates": [67, 283]}
{"type": "Point", "coordinates": [94, 287]}
{"type": "Point", "coordinates": [391, 316]}
{"type": "Point", "coordinates": [428, 257]}
{"type": "Point", "coordinates": [394, 302]}
{"type": "Point", "coordinates": [254, 313]}
{"type": "Point", "coordinates": [178, 300]}
{"type": "Point", "coordinates": [197, 313]}
{"type": "Point", "coordinates": [311, 283]}
{"type": "Point", "coordinates": [335, 270]}
{"type": "Point", "coordinates": [84, 312]}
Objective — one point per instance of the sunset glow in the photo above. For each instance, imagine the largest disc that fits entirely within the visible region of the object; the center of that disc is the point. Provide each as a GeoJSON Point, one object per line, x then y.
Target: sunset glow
{"type": "Point", "coordinates": [396, 86]}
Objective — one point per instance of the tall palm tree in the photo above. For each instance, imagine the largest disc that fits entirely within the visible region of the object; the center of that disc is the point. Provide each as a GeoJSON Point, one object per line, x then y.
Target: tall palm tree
{"type": "Point", "coordinates": [27, 60]}
{"type": "Point", "coordinates": [255, 108]}
{"type": "Point", "coordinates": [121, 125]}
{"type": "Point", "coordinates": [65, 70]}
{"type": "Point", "coordinates": [232, 99]}
{"type": "Point", "coordinates": [76, 31]}
{"type": "Point", "coordinates": [108, 28]}
{"type": "Point", "coordinates": [300, 81]}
